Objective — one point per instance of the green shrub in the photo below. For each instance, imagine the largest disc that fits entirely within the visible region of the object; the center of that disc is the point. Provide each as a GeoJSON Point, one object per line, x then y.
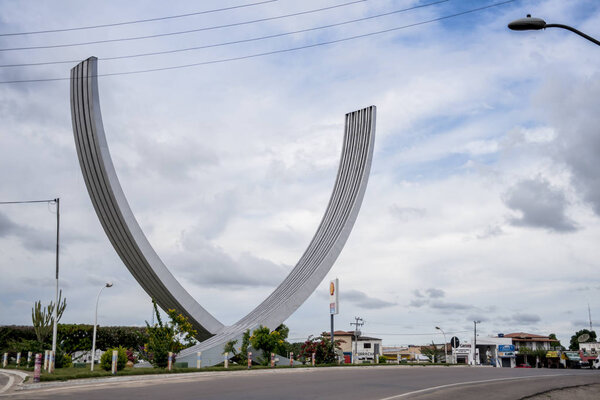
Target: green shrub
{"type": "Point", "coordinates": [63, 360]}
{"type": "Point", "coordinates": [382, 360]}
{"type": "Point", "coordinates": [106, 359]}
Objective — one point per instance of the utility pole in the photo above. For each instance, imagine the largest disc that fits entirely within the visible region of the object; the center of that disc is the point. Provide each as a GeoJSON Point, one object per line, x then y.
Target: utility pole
{"type": "Point", "coordinates": [55, 313]}
{"type": "Point", "coordinates": [358, 322]}
{"type": "Point", "coordinates": [590, 316]}
{"type": "Point", "coordinates": [475, 342]}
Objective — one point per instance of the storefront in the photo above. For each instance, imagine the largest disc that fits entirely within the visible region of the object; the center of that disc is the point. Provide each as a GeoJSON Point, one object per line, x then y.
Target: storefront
{"type": "Point", "coordinates": [506, 356]}
{"type": "Point", "coordinates": [462, 354]}
{"type": "Point", "coordinates": [570, 359]}
{"type": "Point", "coordinates": [552, 359]}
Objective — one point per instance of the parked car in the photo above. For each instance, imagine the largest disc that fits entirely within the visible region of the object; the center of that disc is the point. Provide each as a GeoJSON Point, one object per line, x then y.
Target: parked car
{"type": "Point", "coordinates": [523, 366]}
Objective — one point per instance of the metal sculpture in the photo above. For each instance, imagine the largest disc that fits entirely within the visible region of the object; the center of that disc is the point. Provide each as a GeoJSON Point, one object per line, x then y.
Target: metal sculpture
{"type": "Point", "coordinates": [139, 257]}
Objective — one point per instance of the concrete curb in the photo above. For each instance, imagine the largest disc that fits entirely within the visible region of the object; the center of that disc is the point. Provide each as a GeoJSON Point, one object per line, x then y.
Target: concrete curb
{"type": "Point", "coordinates": [11, 381]}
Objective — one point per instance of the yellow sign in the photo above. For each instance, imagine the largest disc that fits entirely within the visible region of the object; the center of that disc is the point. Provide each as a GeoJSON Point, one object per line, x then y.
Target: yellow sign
{"type": "Point", "coordinates": [552, 354]}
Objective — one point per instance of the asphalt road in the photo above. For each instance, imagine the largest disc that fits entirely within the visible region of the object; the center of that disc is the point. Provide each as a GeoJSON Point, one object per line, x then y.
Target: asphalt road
{"type": "Point", "coordinates": [370, 383]}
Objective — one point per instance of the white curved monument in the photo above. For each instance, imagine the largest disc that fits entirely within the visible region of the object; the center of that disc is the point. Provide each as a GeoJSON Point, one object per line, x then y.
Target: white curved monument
{"type": "Point", "coordinates": [139, 257]}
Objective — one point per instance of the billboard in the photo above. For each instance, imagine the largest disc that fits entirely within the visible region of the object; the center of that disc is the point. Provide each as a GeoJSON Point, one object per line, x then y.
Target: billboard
{"type": "Point", "coordinates": [334, 305]}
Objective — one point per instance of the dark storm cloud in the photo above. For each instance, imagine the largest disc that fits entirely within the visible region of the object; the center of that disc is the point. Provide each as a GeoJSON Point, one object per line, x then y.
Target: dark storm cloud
{"type": "Point", "coordinates": [540, 205]}
{"type": "Point", "coordinates": [362, 300]}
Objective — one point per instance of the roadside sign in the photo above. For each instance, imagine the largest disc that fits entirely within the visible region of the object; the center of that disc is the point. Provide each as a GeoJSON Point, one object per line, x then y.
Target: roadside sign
{"type": "Point", "coordinates": [454, 342]}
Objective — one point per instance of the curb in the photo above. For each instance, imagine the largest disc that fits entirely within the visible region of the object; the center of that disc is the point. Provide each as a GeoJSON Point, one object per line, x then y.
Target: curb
{"type": "Point", "coordinates": [11, 380]}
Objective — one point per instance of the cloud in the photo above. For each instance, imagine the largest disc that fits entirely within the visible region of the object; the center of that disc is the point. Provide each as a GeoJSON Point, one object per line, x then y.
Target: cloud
{"type": "Point", "coordinates": [407, 213]}
{"type": "Point", "coordinates": [209, 265]}
{"type": "Point", "coordinates": [540, 206]}
{"type": "Point", "coordinates": [567, 103]}
{"type": "Point", "coordinates": [526, 318]}
{"type": "Point", "coordinates": [362, 300]}
{"type": "Point", "coordinates": [435, 293]}
{"type": "Point", "coordinates": [450, 306]}
{"type": "Point", "coordinates": [32, 239]}
{"type": "Point", "coordinates": [418, 303]}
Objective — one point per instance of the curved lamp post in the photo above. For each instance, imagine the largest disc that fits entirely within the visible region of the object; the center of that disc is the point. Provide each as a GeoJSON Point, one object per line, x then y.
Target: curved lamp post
{"type": "Point", "coordinates": [534, 24]}
{"type": "Point", "coordinates": [108, 284]}
{"type": "Point", "coordinates": [445, 346]}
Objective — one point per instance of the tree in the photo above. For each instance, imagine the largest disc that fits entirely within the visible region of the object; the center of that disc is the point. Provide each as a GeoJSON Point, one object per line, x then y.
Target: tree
{"type": "Point", "coordinates": [321, 347]}
{"type": "Point", "coordinates": [167, 337]}
{"type": "Point", "coordinates": [574, 343]}
{"type": "Point", "coordinates": [556, 342]}
{"type": "Point", "coordinates": [269, 341]}
{"type": "Point", "coordinates": [432, 352]}
{"type": "Point", "coordinates": [43, 318]}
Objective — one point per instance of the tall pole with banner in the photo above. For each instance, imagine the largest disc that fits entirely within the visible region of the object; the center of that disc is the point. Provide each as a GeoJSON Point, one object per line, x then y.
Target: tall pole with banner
{"type": "Point", "coordinates": [334, 306]}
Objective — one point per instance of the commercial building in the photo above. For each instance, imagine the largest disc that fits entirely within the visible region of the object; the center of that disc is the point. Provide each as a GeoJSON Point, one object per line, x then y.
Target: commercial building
{"type": "Point", "coordinates": [364, 348]}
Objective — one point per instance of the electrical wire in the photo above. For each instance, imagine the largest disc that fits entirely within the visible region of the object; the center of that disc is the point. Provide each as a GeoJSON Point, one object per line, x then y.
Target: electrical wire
{"type": "Point", "coordinates": [184, 32]}
{"type": "Point", "coordinates": [413, 334]}
{"type": "Point", "coordinates": [274, 51]}
{"type": "Point", "coordinates": [232, 42]}
{"type": "Point", "coordinates": [27, 201]}
{"type": "Point", "coordinates": [139, 21]}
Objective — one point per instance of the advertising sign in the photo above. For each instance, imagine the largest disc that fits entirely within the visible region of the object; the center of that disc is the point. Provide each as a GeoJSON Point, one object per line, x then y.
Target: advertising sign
{"type": "Point", "coordinates": [334, 307]}
{"type": "Point", "coordinates": [506, 347]}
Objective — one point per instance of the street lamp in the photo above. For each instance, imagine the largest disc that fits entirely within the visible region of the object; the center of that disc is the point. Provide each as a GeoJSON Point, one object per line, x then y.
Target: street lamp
{"type": "Point", "coordinates": [475, 342]}
{"type": "Point", "coordinates": [108, 284]}
{"type": "Point", "coordinates": [445, 347]}
{"type": "Point", "coordinates": [534, 24]}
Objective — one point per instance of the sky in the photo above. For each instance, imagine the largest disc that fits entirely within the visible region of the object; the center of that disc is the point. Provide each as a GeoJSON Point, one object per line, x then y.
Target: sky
{"type": "Point", "coordinates": [484, 196]}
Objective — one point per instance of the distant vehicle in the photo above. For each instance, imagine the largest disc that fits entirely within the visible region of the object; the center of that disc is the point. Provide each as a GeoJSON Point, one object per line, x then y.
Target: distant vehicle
{"type": "Point", "coordinates": [523, 366]}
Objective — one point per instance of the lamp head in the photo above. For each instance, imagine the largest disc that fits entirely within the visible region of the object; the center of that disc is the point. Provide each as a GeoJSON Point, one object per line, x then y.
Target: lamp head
{"type": "Point", "coordinates": [527, 24]}
{"type": "Point", "coordinates": [437, 327]}
{"type": "Point", "coordinates": [109, 284]}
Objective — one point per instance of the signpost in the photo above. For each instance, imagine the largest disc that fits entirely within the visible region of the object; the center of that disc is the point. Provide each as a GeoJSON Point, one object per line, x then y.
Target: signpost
{"type": "Point", "coordinates": [334, 306]}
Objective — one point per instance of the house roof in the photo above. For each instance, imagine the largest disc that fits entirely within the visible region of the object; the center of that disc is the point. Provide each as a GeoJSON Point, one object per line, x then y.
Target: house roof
{"type": "Point", "coordinates": [350, 333]}
{"type": "Point", "coordinates": [528, 337]}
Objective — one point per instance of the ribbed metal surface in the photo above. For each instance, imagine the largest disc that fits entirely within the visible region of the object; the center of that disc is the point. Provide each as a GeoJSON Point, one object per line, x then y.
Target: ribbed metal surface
{"type": "Point", "coordinates": [144, 264]}
{"type": "Point", "coordinates": [113, 210]}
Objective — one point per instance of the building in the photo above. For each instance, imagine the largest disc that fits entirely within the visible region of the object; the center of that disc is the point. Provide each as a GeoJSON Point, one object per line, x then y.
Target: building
{"type": "Point", "coordinates": [528, 343]}
{"type": "Point", "coordinates": [367, 349]}
{"type": "Point", "coordinates": [497, 351]}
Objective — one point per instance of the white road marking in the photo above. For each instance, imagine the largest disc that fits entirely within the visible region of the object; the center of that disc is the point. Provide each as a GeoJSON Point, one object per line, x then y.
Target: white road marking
{"type": "Point", "coordinates": [398, 396]}
{"type": "Point", "coordinates": [11, 380]}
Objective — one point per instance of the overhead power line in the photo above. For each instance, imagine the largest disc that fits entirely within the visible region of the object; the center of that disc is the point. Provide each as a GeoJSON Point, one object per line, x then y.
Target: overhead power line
{"type": "Point", "coordinates": [223, 60]}
{"type": "Point", "coordinates": [54, 46]}
{"type": "Point", "coordinates": [231, 42]}
{"type": "Point", "coordinates": [412, 334]}
{"type": "Point", "coordinates": [139, 21]}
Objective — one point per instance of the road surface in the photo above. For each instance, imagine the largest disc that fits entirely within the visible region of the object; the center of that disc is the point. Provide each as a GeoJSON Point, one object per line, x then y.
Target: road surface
{"type": "Point", "coordinates": [370, 383]}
